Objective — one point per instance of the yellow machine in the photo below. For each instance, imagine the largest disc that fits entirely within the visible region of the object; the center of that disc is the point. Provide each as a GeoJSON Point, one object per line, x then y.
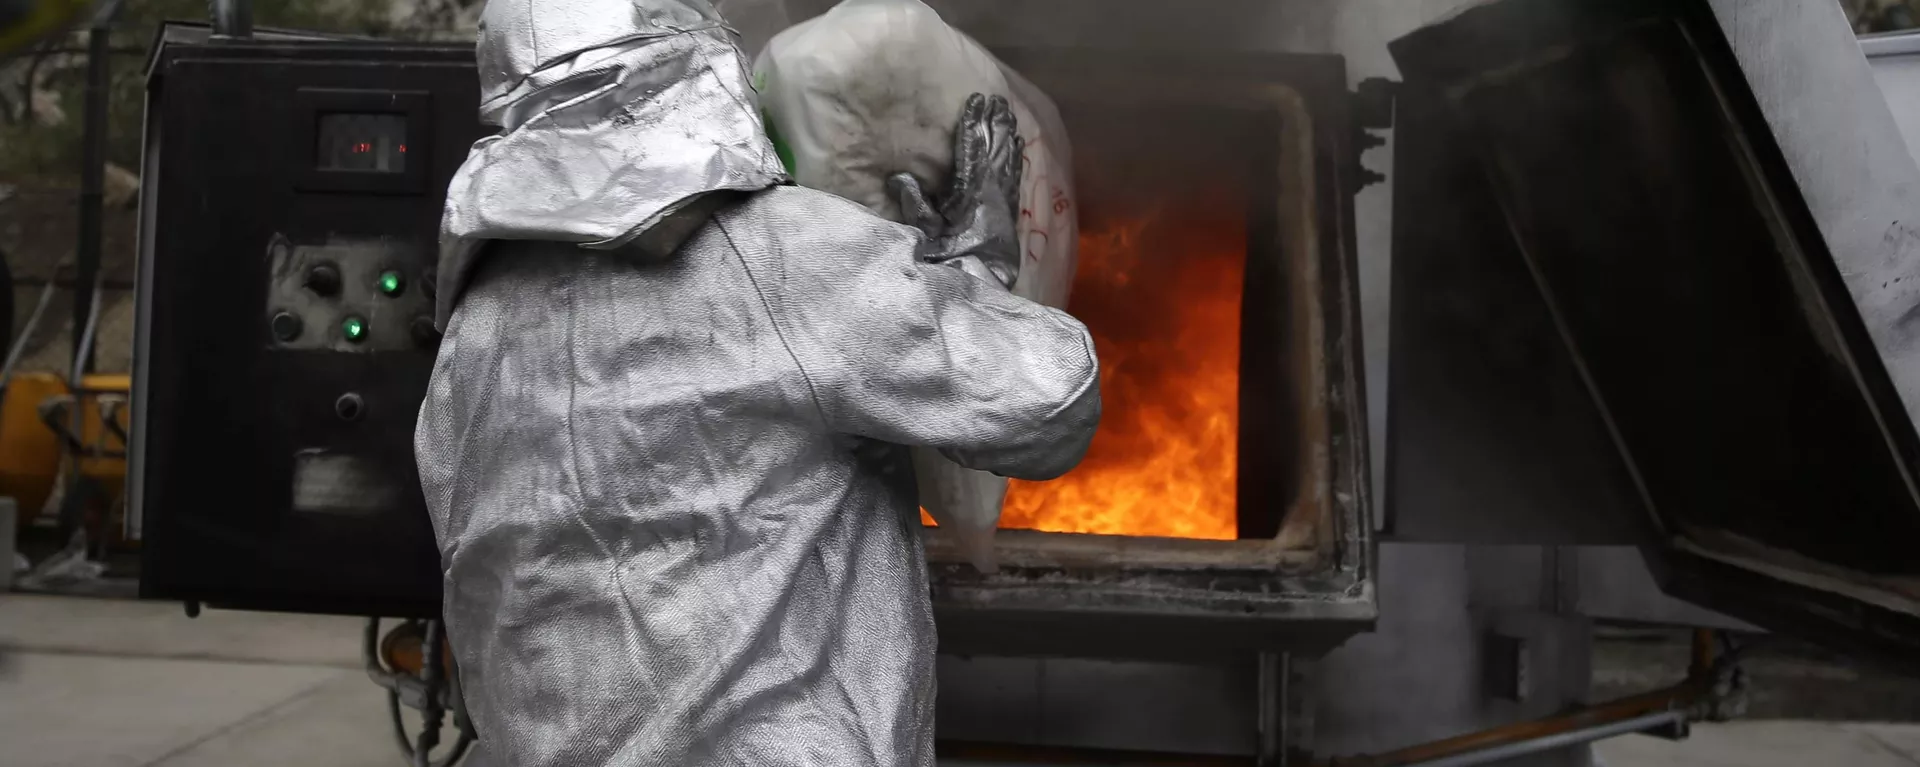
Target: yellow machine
{"type": "Point", "coordinates": [54, 435]}
{"type": "Point", "coordinates": [29, 451]}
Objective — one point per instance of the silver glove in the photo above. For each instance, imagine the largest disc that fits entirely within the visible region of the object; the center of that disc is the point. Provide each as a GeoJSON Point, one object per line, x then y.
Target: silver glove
{"type": "Point", "coordinates": [973, 224]}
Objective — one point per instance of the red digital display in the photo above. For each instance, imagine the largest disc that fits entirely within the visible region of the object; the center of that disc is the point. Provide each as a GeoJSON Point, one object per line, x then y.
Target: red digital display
{"type": "Point", "coordinates": [362, 142]}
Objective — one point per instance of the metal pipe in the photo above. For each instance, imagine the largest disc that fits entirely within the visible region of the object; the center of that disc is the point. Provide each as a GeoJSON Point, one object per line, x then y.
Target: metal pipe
{"type": "Point", "coordinates": [93, 173]}
{"type": "Point", "coordinates": [83, 343]}
{"type": "Point", "coordinates": [232, 18]}
{"type": "Point", "coordinates": [71, 512]}
{"type": "Point", "coordinates": [370, 654]}
{"type": "Point", "coordinates": [19, 346]}
{"type": "Point", "coordinates": [1562, 740]}
{"type": "Point", "coordinates": [1661, 701]}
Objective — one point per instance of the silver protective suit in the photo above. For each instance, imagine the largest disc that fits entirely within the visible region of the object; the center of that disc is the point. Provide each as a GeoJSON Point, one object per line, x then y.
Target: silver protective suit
{"type": "Point", "coordinates": [649, 443]}
{"type": "Point", "coordinates": [617, 117]}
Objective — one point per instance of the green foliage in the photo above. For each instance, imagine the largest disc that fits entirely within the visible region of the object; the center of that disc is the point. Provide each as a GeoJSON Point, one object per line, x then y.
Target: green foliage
{"type": "Point", "coordinates": [1874, 16]}
{"type": "Point", "coordinates": [51, 154]}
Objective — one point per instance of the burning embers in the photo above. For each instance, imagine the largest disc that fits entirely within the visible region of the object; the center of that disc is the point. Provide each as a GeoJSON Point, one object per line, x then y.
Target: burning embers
{"type": "Point", "coordinates": [1165, 196]}
{"type": "Point", "coordinates": [1161, 296]}
{"type": "Point", "coordinates": [1225, 478]}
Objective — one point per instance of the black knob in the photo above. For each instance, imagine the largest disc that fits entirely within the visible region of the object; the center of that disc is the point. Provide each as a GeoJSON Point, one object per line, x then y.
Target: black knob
{"type": "Point", "coordinates": [424, 333]}
{"type": "Point", "coordinates": [286, 326]}
{"type": "Point", "coordinates": [324, 279]}
{"type": "Point", "coordinates": [349, 407]}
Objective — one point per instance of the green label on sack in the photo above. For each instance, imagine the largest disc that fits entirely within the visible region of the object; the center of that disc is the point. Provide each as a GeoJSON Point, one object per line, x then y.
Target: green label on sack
{"type": "Point", "coordinates": [779, 146]}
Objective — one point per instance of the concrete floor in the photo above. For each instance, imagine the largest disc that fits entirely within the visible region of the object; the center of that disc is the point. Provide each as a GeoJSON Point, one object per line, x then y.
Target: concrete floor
{"type": "Point", "coordinates": [104, 683]}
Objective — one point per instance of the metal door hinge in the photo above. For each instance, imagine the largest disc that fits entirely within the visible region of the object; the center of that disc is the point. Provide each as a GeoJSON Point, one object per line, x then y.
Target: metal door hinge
{"type": "Point", "coordinates": [1372, 110]}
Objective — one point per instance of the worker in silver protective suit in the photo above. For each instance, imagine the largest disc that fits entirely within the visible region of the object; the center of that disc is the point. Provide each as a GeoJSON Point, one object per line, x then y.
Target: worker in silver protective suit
{"type": "Point", "coordinates": [661, 441]}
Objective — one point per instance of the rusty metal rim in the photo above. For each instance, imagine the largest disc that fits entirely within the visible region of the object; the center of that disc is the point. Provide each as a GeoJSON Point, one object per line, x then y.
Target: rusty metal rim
{"type": "Point", "coordinates": [1648, 723]}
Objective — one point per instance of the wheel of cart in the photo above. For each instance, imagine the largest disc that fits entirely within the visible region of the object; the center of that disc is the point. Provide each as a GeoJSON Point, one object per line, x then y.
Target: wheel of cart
{"type": "Point", "coordinates": [412, 663]}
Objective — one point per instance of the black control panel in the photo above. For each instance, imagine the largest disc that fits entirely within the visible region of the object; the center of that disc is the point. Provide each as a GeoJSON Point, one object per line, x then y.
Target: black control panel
{"type": "Point", "coordinates": [291, 202]}
{"type": "Point", "coordinates": [349, 295]}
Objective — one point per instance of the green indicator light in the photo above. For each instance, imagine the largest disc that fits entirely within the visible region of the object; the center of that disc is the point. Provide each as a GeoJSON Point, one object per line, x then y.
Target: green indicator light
{"type": "Point", "coordinates": [390, 283]}
{"type": "Point", "coordinates": [354, 328]}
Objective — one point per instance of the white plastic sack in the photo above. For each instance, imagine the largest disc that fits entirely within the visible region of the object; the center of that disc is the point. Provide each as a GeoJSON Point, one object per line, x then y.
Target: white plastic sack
{"type": "Point", "coordinates": [874, 87]}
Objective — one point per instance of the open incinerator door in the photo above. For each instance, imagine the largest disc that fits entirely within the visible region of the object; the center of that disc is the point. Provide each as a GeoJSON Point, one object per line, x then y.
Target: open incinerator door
{"type": "Point", "coordinates": [1662, 256]}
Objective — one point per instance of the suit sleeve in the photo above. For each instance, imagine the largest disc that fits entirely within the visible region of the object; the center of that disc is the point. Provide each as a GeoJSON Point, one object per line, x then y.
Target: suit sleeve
{"type": "Point", "coordinates": [927, 355]}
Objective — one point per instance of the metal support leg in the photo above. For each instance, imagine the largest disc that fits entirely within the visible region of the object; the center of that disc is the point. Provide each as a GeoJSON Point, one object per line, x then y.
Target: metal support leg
{"type": "Point", "coordinates": [93, 172]}
{"type": "Point", "coordinates": [434, 675]}
{"type": "Point", "coordinates": [1272, 708]}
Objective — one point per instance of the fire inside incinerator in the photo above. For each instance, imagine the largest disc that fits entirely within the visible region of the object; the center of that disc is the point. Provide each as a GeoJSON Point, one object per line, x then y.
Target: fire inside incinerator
{"type": "Point", "coordinates": [1169, 201]}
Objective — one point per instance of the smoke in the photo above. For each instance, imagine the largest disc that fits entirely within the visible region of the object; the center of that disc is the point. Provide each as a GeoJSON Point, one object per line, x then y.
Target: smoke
{"type": "Point", "coordinates": [1215, 25]}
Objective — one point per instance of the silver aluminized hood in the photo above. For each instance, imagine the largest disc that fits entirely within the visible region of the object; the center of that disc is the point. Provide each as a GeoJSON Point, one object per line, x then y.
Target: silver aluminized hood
{"type": "Point", "coordinates": [616, 115]}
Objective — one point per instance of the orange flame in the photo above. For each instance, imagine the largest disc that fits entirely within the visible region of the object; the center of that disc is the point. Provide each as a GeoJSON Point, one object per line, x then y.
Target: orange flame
{"type": "Point", "coordinates": [1163, 305]}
